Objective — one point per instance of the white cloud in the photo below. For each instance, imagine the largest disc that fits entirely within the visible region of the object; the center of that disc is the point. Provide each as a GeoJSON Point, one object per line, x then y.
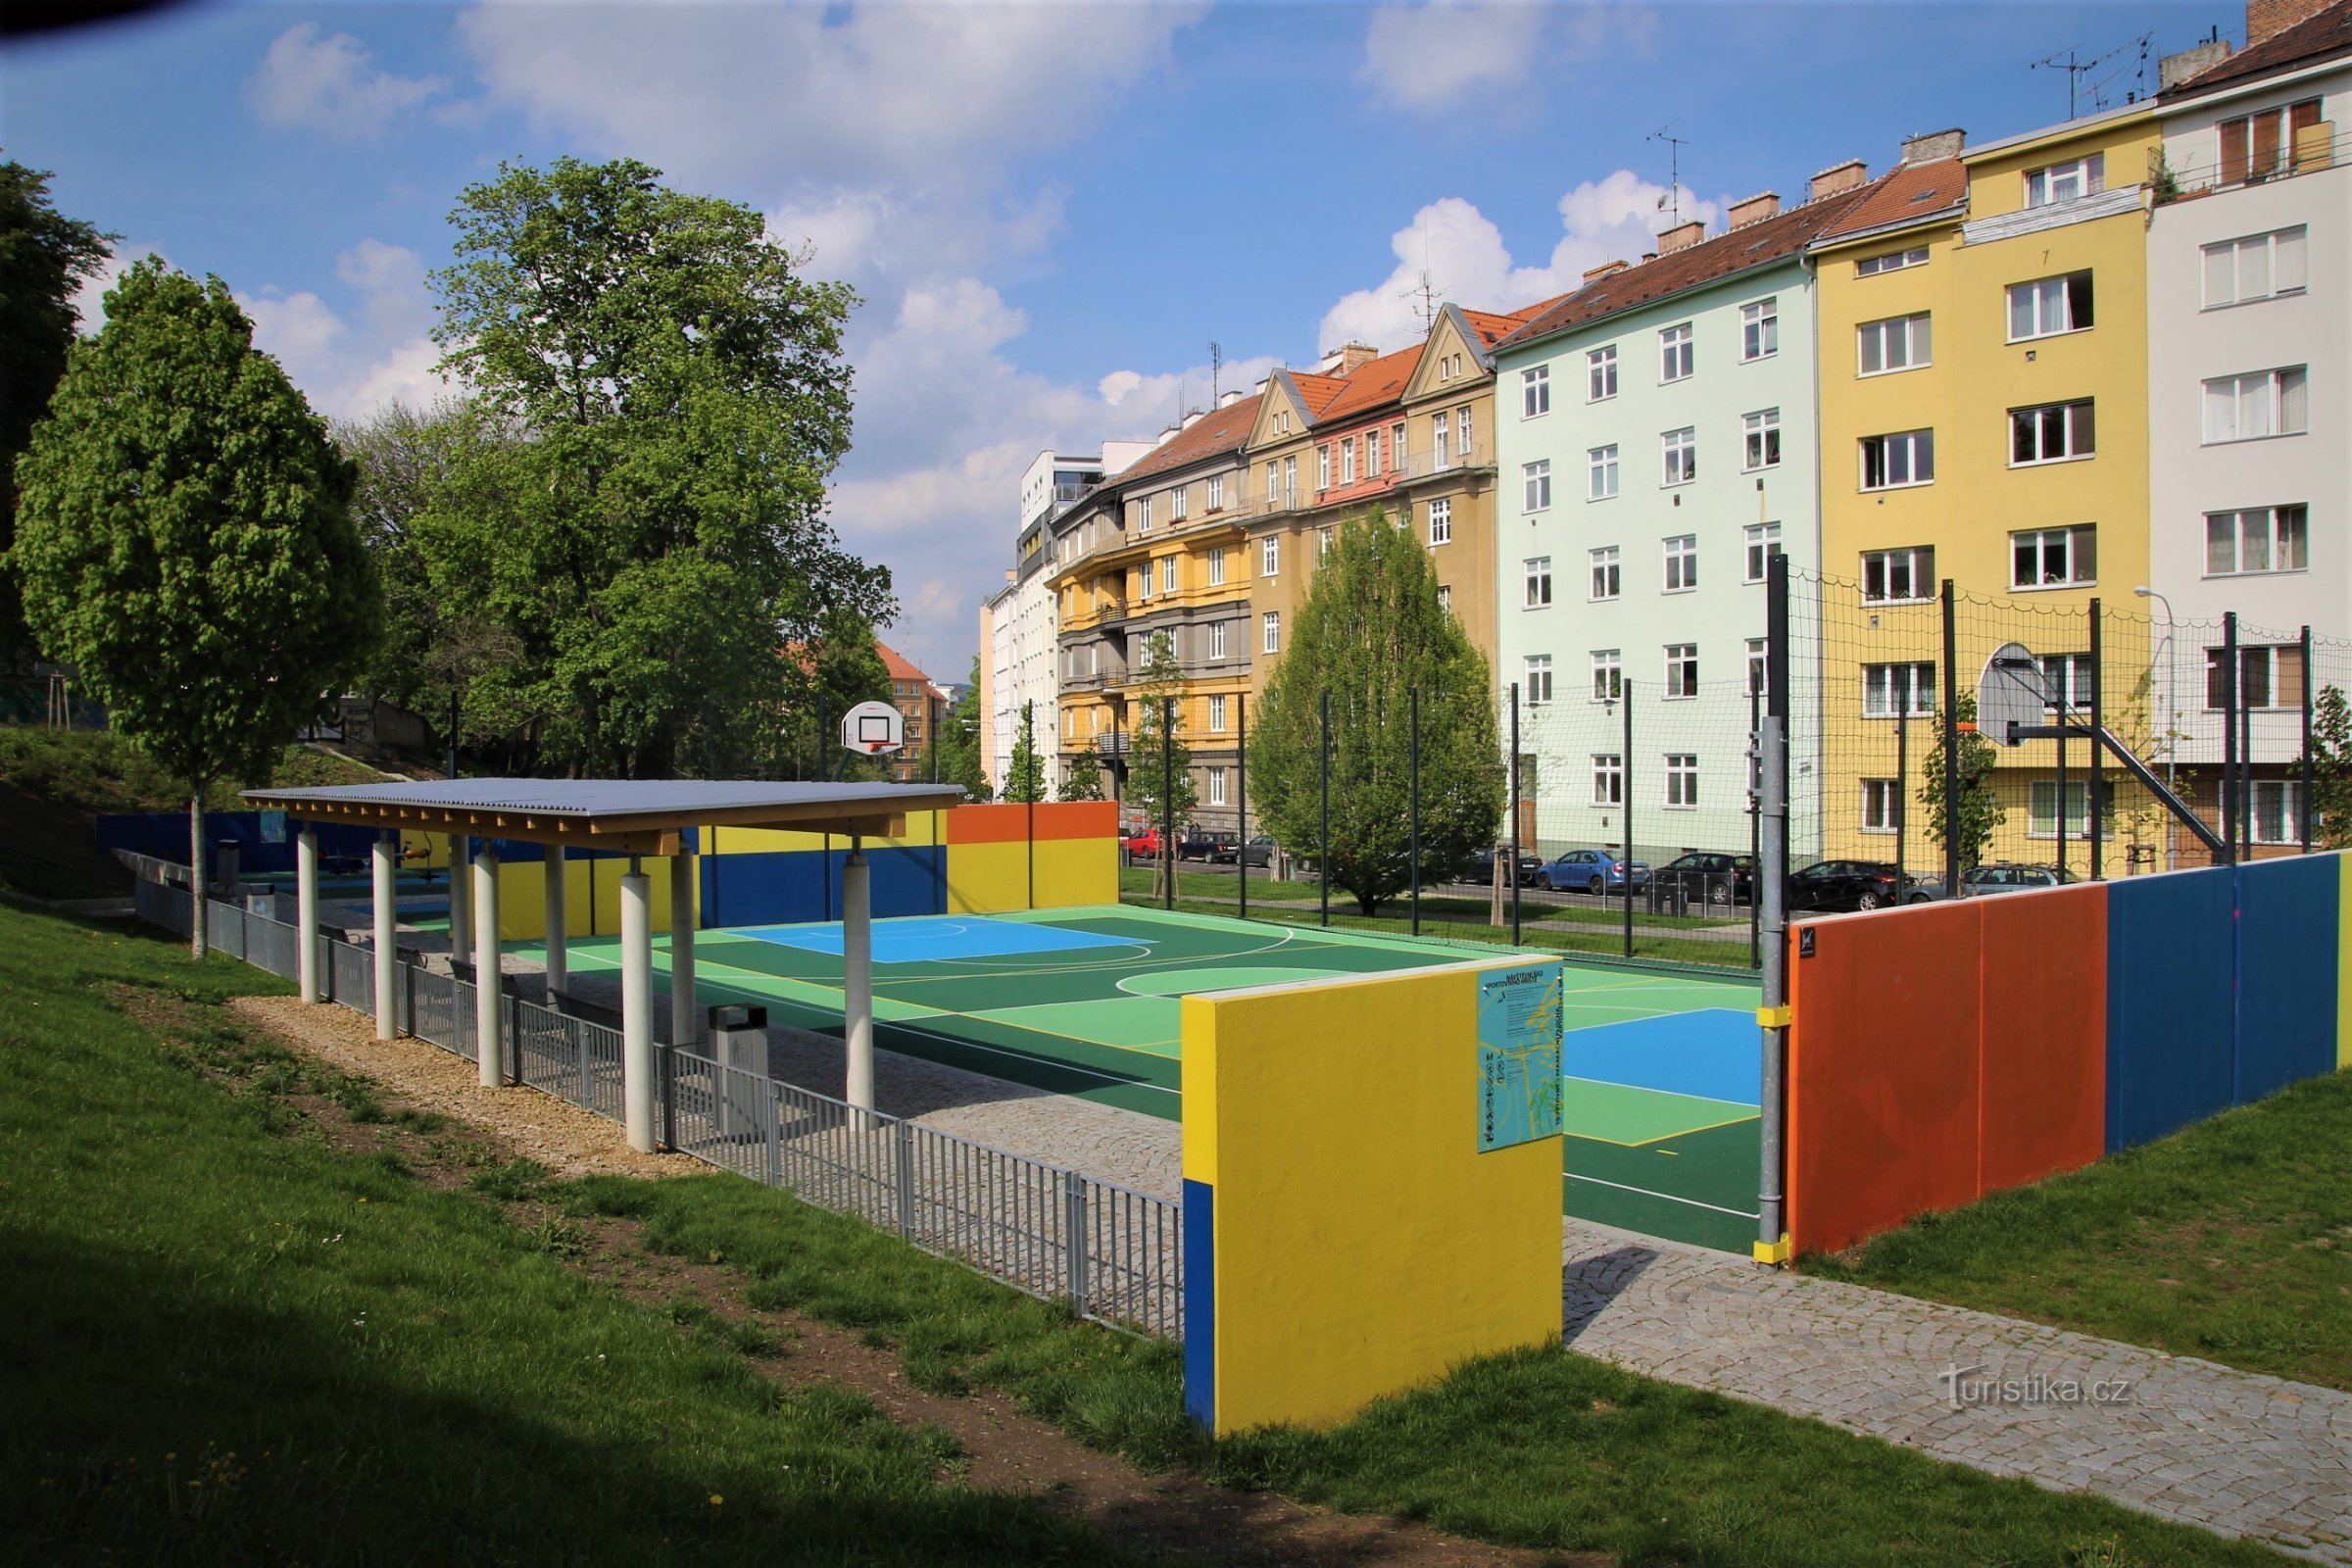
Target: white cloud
{"type": "Point", "coordinates": [89, 300]}
{"type": "Point", "coordinates": [348, 370]}
{"type": "Point", "coordinates": [331, 86]}
{"type": "Point", "coordinates": [1426, 56]}
{"type": "Point", "coordinates": [1466, 260]}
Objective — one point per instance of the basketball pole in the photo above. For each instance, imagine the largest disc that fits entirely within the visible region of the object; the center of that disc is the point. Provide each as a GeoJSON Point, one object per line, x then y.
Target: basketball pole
{"type": "Point", "coordinates": [857, 977]}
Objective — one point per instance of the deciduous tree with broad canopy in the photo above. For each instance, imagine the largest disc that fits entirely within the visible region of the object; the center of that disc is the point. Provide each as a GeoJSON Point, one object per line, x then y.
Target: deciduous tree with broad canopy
{"type": "Point", "coordinates": [185, 537]}
{"type": "Point", "coordinates": [1370, 631]}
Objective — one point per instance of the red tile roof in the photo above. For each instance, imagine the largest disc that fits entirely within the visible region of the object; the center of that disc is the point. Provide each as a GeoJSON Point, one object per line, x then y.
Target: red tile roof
{"type": "Point", "coordinates": [1710, 260]}
{"type": "Point", "coordinates": [1375, 381]}
{"type": "Point", "coordinates": [2318, 36]}
{"type": "Point", "coordinates": [896, 662]}
{"type": "Point", "coordinates": [1909, 191]}
{"type": "Point", "coordinates": [1492, 329]}
{"type": "Point", "coordinates": [1217, 431]}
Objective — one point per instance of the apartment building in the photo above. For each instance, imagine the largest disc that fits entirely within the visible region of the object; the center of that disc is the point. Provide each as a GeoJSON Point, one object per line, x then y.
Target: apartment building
{"type": "Point", "coordinates": [1656, 447]}
{"type": "Point", "coordinates": [920, 703]}
{"type": "Point", "coordinates": [2249, 342]}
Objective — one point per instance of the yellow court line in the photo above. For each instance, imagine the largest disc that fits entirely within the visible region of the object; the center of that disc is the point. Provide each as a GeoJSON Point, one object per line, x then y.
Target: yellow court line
{"type": "Point", "coordinates": [781, 980]}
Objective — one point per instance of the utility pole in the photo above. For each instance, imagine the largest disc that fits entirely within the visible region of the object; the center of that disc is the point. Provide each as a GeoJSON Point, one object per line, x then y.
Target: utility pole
{"type": "Point", "coordinates": [1673, 199]}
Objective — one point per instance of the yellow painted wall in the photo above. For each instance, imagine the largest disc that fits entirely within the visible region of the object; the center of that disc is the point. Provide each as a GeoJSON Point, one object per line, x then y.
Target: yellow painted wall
{"type": "Point", "coordinates": [991, 878]}
{"type": "Point", "coordinates": [923, 829]}
{"type": "Point", "coordinates": [1363, 1244]}
{"type": "Point", "coordinates": [1069, 872]}
{"type": "Point", "coordinates": [591, 897]}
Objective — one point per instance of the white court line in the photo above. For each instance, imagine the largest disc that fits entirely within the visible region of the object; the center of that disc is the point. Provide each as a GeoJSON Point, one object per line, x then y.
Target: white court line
{"type": "Point", "coordinates": [1611, 1082]}
{"type": "Point", "coordinates": [1736, 1214]}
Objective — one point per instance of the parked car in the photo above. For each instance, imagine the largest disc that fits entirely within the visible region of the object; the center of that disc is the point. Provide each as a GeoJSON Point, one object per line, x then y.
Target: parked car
{"type": "Point", "coordinates": [2004, 877]}
{"type": "Point", "coordinates": [1482, 868]}
{"type": "Point", "coordinates": [1594, 872]}
{"type": "Point", "coordinates": [1199, 844]}
{"type": "Point", "coordinates": [1141, 844]}
{"type": "Point", "coordinates": [1830, 886]}
{"type": "Point", "coordinates": [1259, 852]}
{"type": "Point", "coordinates": [1720, 879]}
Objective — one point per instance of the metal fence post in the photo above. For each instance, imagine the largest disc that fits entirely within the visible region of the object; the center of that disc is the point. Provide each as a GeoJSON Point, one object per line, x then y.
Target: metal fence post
{"type": "Point", "coordinates": [2094, 815]}
{"type": "Point", "coordinates": [1414, 803]}
{"type": "Point", "coordinates": [1951, 745]}
{"type": "Point", "coordinates": [1167, 795]}
{"type": "Point", "coordinates": [1625, 787]}
{"type": "Point", "coordinates": [587, 1067]}
{"type": "Point", "coordinates": [1771, 890]}
{"type": "Point", "coordinates": [775, 1139]}
{"type": "Point", "coordinates": [2230, 758]}
{"type": "Point", "coordinates": [1074, 1239]}
{"type": "Point", "coordinates": [2303, 807]}
{"type": "Point", "coordinates": [1323, 848]}
{"type": "Point", "coordinates": [1240, 814]}
{"type": "Point", "coordinates": [1515, 788]}
{"type": "Point", "coordinates": [902, 1135]}
{"type": "Point", "coordinates": [667, 1081]}
{"type": "Point", "coordinates": [1755, 826]}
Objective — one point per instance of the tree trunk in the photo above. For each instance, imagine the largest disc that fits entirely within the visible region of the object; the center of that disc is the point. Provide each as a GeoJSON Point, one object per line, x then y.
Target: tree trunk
{"type": "Point", "coordinates": [196, 890]}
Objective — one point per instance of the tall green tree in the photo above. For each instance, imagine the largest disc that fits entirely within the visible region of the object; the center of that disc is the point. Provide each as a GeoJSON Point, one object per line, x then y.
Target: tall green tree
{"type": "Point", "coordinates": [1160, 766]}
{"type": "Point", "coordinates": [2332, 768]}
{"type": "Point", "coordinates": [1370, 631]}
{"type": "Point", "coordinates": [1981, 811]}
{"type": "Point", "coordinates": [1082, 778]}
{"type": "Point", "coordinates": [1025, 777]}
{"type": "Point", "coordinates": [186, 538]}
{"type": "Point", "coordinates": [658, 398]}
{"type": "Point", "coordinates": [958, 742]}
{"type": "Point", "coordinates": [44, 260]}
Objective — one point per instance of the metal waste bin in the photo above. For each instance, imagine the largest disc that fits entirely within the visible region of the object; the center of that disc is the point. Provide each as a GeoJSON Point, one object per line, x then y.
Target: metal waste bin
{"type": "Point", "coordinates": [739, 1040]}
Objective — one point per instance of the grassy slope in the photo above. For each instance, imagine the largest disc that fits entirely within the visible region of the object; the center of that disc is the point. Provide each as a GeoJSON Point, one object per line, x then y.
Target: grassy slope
{"type": "Point", "coordinates": [2231, 1240]}
{"type": "Point", "coordinates": [97, 771]}
{"type": "Point", "coordinates": [231, 1345]}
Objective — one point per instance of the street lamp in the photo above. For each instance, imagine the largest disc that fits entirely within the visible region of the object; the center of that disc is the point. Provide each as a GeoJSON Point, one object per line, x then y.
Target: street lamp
{"type": "Point", "coordinates": [2172, 723]}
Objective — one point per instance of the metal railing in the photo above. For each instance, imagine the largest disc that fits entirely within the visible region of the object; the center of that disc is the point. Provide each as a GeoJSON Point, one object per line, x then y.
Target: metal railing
{"type": "Point", "coordinates": [1114, 1254]}
{"type": "Point", "coordinates": [2318, 148]}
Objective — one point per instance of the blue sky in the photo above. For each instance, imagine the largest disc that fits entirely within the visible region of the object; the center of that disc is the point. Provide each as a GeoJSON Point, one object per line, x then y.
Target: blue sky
{"type": "Point", "coordinates": [1049, 209]}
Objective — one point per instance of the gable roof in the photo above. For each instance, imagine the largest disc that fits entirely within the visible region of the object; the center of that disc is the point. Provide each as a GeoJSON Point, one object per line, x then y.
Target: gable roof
{"type": "Point", "coordinates": [899, 666]}
{"type": "Point", "coordinates": [1218, 431]}
{"type": "Point", "coordinates": [1374, 383]}
{"type": "Point", "coordinates": [2316, 37]}
{"type": "Point", "coordinates": [1762, 243]}
{"type": "Point", "coordinates": [1910, 193]}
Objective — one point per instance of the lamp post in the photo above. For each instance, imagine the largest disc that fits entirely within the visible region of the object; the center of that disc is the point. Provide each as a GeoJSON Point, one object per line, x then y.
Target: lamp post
{"type": "Point", "coordinates": [2172, 723]}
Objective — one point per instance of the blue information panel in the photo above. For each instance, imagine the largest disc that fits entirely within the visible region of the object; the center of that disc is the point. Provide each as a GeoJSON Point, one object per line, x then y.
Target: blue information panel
{"type": "Point", "coordinates": [1518, 1056]}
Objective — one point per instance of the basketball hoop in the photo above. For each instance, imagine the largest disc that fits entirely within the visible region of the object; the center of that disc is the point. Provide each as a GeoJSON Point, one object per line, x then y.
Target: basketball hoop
{"type": "Point", "coordinates": [873, 729]}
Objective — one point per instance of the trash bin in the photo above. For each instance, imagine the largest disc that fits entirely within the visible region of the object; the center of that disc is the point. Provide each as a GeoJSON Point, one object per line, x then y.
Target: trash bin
{"type": "Point", "coordinates": [739, 1041]}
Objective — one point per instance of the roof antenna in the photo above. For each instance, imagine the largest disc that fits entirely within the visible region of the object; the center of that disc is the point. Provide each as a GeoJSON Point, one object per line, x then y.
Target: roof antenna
{"type": "Point", "coordinates": [1216, 361]}
{"type": "Point", "coordinates": [1674, 166]}
{"type": "Point", "coordinates": [2076, 69]}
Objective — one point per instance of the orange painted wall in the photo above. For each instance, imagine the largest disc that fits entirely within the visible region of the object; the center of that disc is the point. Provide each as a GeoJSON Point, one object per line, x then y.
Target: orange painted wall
{"type": "Point", "coordinates": [2045, 1041]}
{"type": "Point", "coordinates": [1054, 821]}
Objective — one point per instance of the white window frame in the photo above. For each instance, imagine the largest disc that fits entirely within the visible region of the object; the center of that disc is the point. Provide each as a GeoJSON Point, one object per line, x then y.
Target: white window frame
{"type": "Point", "coordinates": [1608, 674]}
{"type": "Point", "coordinates": [1217, 568]}
{"type": "Point", "coordinates": [1682, 781]}
{"type": "Point", "coordinates": [2279, 395]}
{"type": "Point", "coordinates": [1270, 627]}
{"type": "Point", "coordinates": [2068, 182]}
{"type": "Point", "coordinates": [1534, 485]}
{"type": "Point", "coordinates": [1678, 456]}
{"type": "Point", "coordinates": [2286, 811]}
{"type": "Point", "coordinates": [1167, 574]}
{"type": "Point", "coordinates": [1605, 574]}
{"type": "Point", "coordinates": [1915, 334]}
{"type": "Point", "coordinates": [1269, 555]}
{"type": "Point", "coordinates": [1177, 499]}
{"type": "Point", "coordinates": [1216, 492]}
{"type": "Point", "coordinates": [1216, 786]}
{"type": "Point", "coordinates": [1601, 374]}
{"type": "Point", "coordinates": [1216, 639]}
{"type": "Point", "coordinates": [1600, 473]}
{"type": "Point", "coordinates": [1216, 713]}
{"type": "Point", "coordinates": [2284, 531]}
{"type": "Point", "coordinates": [1397, 447]}
{"type": "Point", "coordinates": [1348, 459]}
{"type": "Point", "coordinates": [1681, 564]}
{"type": "Point", "coordinates": [1440, 428]}
{"type": "Point", "coordinates": [2072, 537]}
{"type": "Point", "coordinates": [1760, 542]}
{"type": "Point", "coordinates": [1535, 684]}
{"type": "Point", "coordinates": [1682, 672]}
{"type": "Point", "coordinates": [1535, 581]}
{"type": "Point", "coordinates": [1462, 433]}
{"type": "Point", "coordinates": [1534, 392]}
{"type": "Point", "coordinates": [1143, 515]}
{"type": "Point", "coordinates": [2041, 808]}
{"type": "Point", "coordinates": [1917, 564]}
{"type": "Point", "coordinates": [2272, 659]}
{"type": "Point", "coordinates": [2284, 251]}
{"type": "Point", "coordinates": [1879, 696]}
{"type": "Point", "coordinates": [2053, 306]}
{"type": "Point", "coordinates": [1892, 262]}
{"type": "Point", "coordinates": [1759, 329]}
{"type": "Point", "coordinates": [2068, 676]}
{"type": "Point", "coordinates": [1323, 466]}
{"type": "Point", "coordinates": [1323, 537]}
{"type": "Point", "coordinates": [1915, 444]}
{"type": "Point", "coordinates": [1757, 658]}
{"type": "Point", "coordinates": [1609, 779]}
{"type": "Point", "coordinates": [1445, 597]}
{"type": "Point", "coordinates": [2076, 421]}
{"type": "Point", "coordinates": [1881, 805]}
{"type": "Point", "coordinates": [1678, 353]}
{"type": "Point", "coordinates": [1441, 521]}
{"type": "Point", "coordinates": [1760, 440]}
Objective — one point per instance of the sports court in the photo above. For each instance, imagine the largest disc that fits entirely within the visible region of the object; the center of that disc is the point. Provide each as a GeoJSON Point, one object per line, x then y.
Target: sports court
{"type": "Point", "coordinates": [1662, 1069]}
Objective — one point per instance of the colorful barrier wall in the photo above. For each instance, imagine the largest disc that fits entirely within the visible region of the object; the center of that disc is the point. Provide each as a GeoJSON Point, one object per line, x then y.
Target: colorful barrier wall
{"type": "Point", "coordinates": [1344, 1236]}
{"type": "Point", "coordinates": [1947, 1051]}
{"type": "Point", "coordinates": [265, 840]}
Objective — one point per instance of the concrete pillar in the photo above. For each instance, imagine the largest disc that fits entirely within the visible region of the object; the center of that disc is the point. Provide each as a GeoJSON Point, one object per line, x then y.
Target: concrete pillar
{"type": "Point", "coordinates": [682, 903]}
{"type": "Point", "coordinates": [461, 937]}
{"type": "Point", "coordinates": [385, 860]}
{"type": "Point", "coordinates": [857, 975]}
{"type": "Point", "coordinates": [490, 1047]}
{"type": "Point", "coordinates": [306, 910]}
{"type": "Point", "coordinates": [559, 957]}
{"type": "Point", "coordinates": [637, 1008]}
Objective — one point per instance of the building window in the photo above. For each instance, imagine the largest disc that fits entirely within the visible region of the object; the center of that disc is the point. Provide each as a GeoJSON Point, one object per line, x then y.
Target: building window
{"type": "Point", "coordinates": [1216, 715]}
{"type": "Point", "coordinates": [1323, 539]}
{"type": "Point", "coordinates": [1894, 261]}
{"type": "Point", "coordinates": [1216, 786]}
{"type": "Point", "coordinates": [2266, 677]}
{"type": "Point", "coordinates": [1535, 391]}
{"type": "Point", "coordinates": [1609, 779]}
{"type": "Point", "coordinates": [1216, 639]}
{"type": "Point", "coordinates": [1759, 329]}
{"type": "Point", "coordinates": [1176, 502]}
{"type": "Point", "coordinates": [2054, 558]}
{"type": "Point", "coordinates": [1461, 433]}
{"type": "Point", "coordinates": [1897, 343]}
{"type": "Point", "coordinates": [2258, 404]}
{"type": "Point", "coordinates": [1604, 572]}
{"type": "Point", "coordinates": [2066, 682]}
{"type": "Point", "coordinates": [1601, 374]}
{"type": "Point", "coordinates": [1445, 597]}
{"type": "Point", "coordinates": [1882, 804]}
{"type": "Point", "coordinates": [1441, 521]}
{"type": "Point", "coordinates": [1167, 574]}
{"type": "Point", "coordinates": [1397, 448]}
{"type": "Point", "coordinates": [1269, 555]}
{"type": "Point", "coordinates": [1273, 489]}
{"type": "Point", "coordinates": [1675, 352]}
{"type": "Point", "coordinates": [1371, 454]}
{"type": "Point", "coordinates": [2275, 811]}
{"type": "Point", "coordinates": [1682, 780]}
{"type": "Point", "coordinates": [1539, 678]}
{"type": "Point", "coordinates": [1898, 577]}
{"type": "Point", "coordinates": [1755, 664]}
{"type": "Point", "coordinates": [2068, 182]}
{"type": "Point", "coordinates": [1608, 675]}
{"type": "Point", "coordinates": [1600, 481]}
{"type": "Point", "coordinates": [2041, 810]}
{"type": "Point", "coordinates": [1892, 461]}
{"type": "Point", "coordinates": [1323, 467]}
{"type": "Point", "coordinates": [1535, 483]}
{"type": "Point", "coordinates": [1763, 440]}
{"type": "Point", "coordinates": [2053, 432]}
{"type": "Point", "coordinates": [1537, 576]}
{"type": "Point", "coordinates": [1890, 690]}
{"type": "Point", "coordinates": [2262, 146]}
{"type": "Point", "coordinates": [1216, 492]}
{"type": "Point", "coordinates": [2262, 539]}
{"type": "Point", "coordinates": [2259, 267]}
{"type": "Point", "coordinates": [1682, 670]}
{"type": "Point", "coordinates": [1271, 623]}
{"type": "Point", "coordinates": [1142, 588]}
{"type": "Point", "coordinates": [1439, 429]}
{"type": "Point", "coordinates": [1217, 568]}
{"type": "Point", "coordinates": [1763, 542]}
{"type": "Point", "coordinates": [2050, 306]}
{"type": "Point", "coordinates": [1143, 515]}
{"type": "Point", "coordinates": [1680, 448]}
{"type": "Point", "coordinates": [1682, 563]}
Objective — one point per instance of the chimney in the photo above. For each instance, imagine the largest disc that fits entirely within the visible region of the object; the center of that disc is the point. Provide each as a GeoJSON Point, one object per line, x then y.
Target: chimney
{"type": "Point", "coordinates": [1756, 209]}
{"type": "Point", "coordinates": [2201, 56]}
{"type": "Point", "coordinates": [1681, 237]}
{"type": "Point", "coordinates": [2266, 18]}
{"type": "Point", "coordinates": [1354, 356]}
{"type": "Point", "coordinates": [1165, 436]}
{"type": "Point", "coordinates": [1227, 400]}
{"type": "Point", "coordinates": [1192, 416]}
{"type": "Point", "coordinates": [1848, 175]}
{"type": "Point", "coordinates": [1605, 270]}
{"type": "Point", "coordinates": [1934, 146]}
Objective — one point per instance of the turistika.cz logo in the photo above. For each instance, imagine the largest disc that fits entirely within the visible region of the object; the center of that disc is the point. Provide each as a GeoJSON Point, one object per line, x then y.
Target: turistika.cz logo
{"type": "Point", "coordinates": [1963, 1390]}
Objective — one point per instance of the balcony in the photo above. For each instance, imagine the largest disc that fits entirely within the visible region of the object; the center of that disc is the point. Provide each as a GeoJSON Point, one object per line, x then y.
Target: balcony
{"type": "Point", "coordinates": [2315, 147]}
{"type": "Point", "coordinates": [1113, 744]}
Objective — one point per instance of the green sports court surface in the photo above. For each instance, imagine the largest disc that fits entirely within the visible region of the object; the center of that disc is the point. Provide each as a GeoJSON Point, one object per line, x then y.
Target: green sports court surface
{"type": "Point", "coordinates": [1661, 1069]}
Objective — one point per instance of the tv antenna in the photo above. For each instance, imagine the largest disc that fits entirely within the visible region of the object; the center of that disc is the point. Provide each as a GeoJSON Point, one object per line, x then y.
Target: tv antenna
{"type": "Point", "coordinates": [2077, 68]}
{"type": "Point", "coordinates": [1673, 199]}
{"type": "Point", "coordinates": [1216, 361]}
{"type": "Point", "coordinates": [1428, 293]}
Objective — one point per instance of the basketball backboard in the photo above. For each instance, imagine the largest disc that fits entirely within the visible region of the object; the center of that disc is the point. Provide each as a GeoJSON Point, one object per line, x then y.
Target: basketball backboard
{"type": "Point", "coordinates": [2011, 694]}
{"type": "Point", "coordinates": [873, 729]}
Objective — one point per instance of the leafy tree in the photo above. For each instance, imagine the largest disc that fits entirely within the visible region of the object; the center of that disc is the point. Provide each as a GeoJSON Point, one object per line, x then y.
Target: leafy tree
{"type": "Point", "coordinates": [1980, 809]}
{"type": "Point", "coordinates": [1082, 778]}
{"type": "Point", "coordinates": [958, 742]}
{"type": "Point", "coordinates": [186, 538]}
{"type": "Point", "coordinates": [1370, 631]}
{"type": "Point", "coordinates": [1025, 778]}
{"type": "Point", "coordinates": [2332, 768]}
{"type": "Point", "coordinates": [1159, 776]}
{"type": "Point", "coordinates": [44, 259]}
{"type": "Point", "coordinates": [658, 399]}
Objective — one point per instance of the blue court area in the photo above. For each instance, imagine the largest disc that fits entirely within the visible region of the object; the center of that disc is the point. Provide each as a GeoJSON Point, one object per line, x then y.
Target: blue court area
{"type": "Point", "coordinates": [943, 939]}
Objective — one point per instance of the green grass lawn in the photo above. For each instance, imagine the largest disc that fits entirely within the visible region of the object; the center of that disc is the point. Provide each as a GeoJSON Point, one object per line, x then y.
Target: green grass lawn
{"type": "Point", "coordinates": [345, 1362]}
{"type": "Point", "coordinates": [2231, 1240]}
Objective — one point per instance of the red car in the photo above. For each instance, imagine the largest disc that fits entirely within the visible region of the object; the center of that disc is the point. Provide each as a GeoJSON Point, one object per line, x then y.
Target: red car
{"type": "Point", "coordinates": [1143, 843]}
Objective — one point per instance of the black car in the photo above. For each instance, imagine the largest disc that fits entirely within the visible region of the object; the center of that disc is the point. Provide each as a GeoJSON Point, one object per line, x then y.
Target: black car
{"type": "Point", "coordinates": [1259, 852]}
{"type": "Point", "coordinates": [1705, 874]}
{"type": "Point", "coordinates": [1482, 870]}
{"type": "Point", "coordinates": [1829, 885]}
{"type": "Point", "coordinates": [1199, 844]}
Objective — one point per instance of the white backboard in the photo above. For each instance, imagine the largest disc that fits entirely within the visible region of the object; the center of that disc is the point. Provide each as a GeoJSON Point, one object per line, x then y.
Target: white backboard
{"type": "Point", "coordinates": [873, 729]}
{"type": "Point", "coordinates": [2011, 693]}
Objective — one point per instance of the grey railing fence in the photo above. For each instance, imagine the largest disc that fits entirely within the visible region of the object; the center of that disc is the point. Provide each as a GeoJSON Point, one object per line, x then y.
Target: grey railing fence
{"type": "Point", "coordinates": [1114, 1254]}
